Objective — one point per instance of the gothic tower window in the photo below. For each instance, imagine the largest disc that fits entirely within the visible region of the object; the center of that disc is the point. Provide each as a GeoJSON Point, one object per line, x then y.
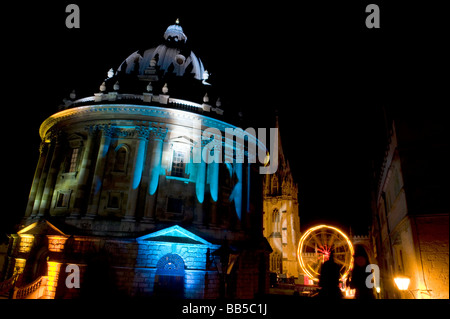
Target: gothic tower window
{"type": "Point", "coordinates": [275, 216]}
{"type": "Point", "coordinates": [274, 185]}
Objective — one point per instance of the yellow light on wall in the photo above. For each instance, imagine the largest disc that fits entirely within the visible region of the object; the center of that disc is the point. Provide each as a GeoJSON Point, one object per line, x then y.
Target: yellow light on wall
{"type": "Point", "coordinates": [52, 281]}
{"type": "Point", "coordinates": [402, 282]}
{"type": "Point", "coordinates": [20, 265]}
{"type": "Point", "coordinates": [56, 243]}
{"type": "Point", "coordinates": [26, 242]}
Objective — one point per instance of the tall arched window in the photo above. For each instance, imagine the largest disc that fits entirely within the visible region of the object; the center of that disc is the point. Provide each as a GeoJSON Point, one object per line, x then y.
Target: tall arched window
{"type": "Point", "coordinates": [121, 159]}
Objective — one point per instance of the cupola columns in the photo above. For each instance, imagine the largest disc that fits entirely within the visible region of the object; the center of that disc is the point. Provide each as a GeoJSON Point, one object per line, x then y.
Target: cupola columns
{"type": "Point", "coordinates": [43, 153]}
{"type": "Point", "coordinates": [42, 179]}
{"type": "Point", "coordinates": [157, 136]}
{"type": "Point", "coordinates": [136, 175]}
{"type": "Point", "coordinates": [51, 179]}
{"type": "Point", "coordinates": [83, 174]}
{"type": "Point", "coordinates": [99, 171]}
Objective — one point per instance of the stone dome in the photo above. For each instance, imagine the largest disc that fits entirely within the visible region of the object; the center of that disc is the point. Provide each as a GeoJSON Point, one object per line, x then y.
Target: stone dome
{"type": "Point", "coordinates": [173, 57]}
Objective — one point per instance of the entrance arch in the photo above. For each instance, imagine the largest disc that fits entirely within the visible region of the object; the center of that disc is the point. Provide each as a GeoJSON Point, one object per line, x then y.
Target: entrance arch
{"type": "Point", "coordinates": [169, 277]}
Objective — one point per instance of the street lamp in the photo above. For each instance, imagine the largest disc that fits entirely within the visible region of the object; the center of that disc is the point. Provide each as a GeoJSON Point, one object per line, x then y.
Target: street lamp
{"type": "Point", "coordinates": [402, 283]}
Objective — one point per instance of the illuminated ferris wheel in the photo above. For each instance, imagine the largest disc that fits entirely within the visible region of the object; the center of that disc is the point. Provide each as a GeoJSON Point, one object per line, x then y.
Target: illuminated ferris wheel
{"type": "Point", "coordinates": [315, 248]}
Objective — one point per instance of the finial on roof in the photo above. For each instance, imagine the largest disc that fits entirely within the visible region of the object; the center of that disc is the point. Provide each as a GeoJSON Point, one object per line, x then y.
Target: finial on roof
{"type": "Point", "coordinates": [110, 73]}
{"type": "Point", "coordinates": [165, 89]}
{"type": "Point", "coordinates": [177, 21]}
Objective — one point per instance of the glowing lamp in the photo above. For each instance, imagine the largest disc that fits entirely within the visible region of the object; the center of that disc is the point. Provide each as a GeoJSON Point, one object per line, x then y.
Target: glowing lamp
{"type": "Point", "coordinates": [402, 282]}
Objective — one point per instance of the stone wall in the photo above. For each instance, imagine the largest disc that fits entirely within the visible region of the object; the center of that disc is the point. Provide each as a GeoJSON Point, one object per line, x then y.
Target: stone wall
{"type": "Point", "coordinates": [433, 234]}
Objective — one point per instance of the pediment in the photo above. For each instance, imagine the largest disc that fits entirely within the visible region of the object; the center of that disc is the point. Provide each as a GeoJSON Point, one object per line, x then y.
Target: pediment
{"type": "Point", "coordinates": [174, 234]}
{"type": "Point", "coordinates": [41, 228]}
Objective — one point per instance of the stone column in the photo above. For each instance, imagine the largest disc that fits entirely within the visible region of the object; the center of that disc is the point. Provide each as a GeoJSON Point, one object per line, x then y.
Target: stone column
{"type": "Point", "coordinates": [42, 179]}
{"type": "Point", "coordinates": [157, 136]}
{"type": "Point", "coordinates": [213, 179]}
{"type": "Point", "coordinates": [199, 184]}
{"type": "Point", "coordinates": [83, 174]}
{"type": "Point", "coordinates": [138, 165]}
{"type": "Point", "coordinates": [43, 152]}
{"type": "Point", "coordinates": [51, 179]}
{"type": "Point", "coordinates": [236, 194]}
{"type": "Point", "coordinates": [94, 198]}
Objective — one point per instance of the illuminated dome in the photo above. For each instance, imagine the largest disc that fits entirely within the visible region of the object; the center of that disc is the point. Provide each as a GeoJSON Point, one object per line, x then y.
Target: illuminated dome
{"type": "Point", "coordinates": [168, 74]}
{"type": "Point", "coordinates": [172, 63]}
{"type": "Point", "coordinates": [172, 57]}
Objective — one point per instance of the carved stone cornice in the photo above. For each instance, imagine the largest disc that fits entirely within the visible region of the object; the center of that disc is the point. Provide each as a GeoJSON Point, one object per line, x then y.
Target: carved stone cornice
{"type": "Point", "coordinates": [113, 112]}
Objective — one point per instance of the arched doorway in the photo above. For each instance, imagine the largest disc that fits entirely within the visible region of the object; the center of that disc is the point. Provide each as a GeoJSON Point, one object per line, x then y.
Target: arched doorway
{"type": "Point", "coordinates": [169, 278]}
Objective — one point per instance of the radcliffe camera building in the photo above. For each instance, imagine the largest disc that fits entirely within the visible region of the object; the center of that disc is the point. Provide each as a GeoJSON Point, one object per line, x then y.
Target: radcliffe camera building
{"type": "Point", "coordinates": [117, 193]}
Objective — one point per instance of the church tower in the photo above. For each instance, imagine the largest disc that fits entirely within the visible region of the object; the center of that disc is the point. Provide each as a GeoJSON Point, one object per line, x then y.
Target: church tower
{"type": "Point", "coordinates": [281, 221]}
{"type": "Point", "coordinates": [129, 193]}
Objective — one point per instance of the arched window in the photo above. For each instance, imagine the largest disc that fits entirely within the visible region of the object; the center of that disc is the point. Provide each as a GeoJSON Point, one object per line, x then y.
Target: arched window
{"type": "Point", "coordinates": [121, 158]}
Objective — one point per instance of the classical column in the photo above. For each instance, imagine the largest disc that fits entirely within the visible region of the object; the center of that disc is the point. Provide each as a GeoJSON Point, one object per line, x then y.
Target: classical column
{"type": "Point", "coordinates": [199, 183]}
{"type": "Point", "coordinates": [214, 158]}
{"type": "Point", "coordinates": [236, 194]}
{"type": "Point", "coordinates": [138, 165]}
{"type": "Point", "coordinates": [51, 179]}
{"type": "Point", "coordinates": [157, 136]}
{"type": "Point", "coordinates": [43, 150]}
{"type": "Point", "coordinates": [43, 178]}
{"type": "Point", "coordinates": [213, 178]}
{"type": "Point", "coordinates": [94, 198]}
{"type": "Point", "coordinates": [83, 174]}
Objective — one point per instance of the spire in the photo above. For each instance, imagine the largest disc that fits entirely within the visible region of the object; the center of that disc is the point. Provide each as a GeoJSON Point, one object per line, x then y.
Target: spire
{"type": "Point", "coordinates": [281, 159]}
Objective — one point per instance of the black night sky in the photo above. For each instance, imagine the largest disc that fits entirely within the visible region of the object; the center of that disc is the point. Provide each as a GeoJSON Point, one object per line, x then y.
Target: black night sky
{"type": "Point", "coordinates": [326, 74]}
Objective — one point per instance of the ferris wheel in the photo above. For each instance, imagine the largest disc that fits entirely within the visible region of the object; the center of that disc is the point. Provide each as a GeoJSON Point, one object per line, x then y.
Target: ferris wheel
{"type": "Point", "coordinates": [315, 247]}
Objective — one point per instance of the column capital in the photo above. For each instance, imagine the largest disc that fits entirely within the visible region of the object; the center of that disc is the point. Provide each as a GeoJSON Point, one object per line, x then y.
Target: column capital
{"type": "Point", "coordinates": [142, 132]}
{"type": "Point", "coordinates": [158, 133]}
{"type": "Point", "coordinates": [43, 147]}
{"type": "Point", "coordinates": [91, 129]}
{"type": "Point", "coordinates": [107, 129]}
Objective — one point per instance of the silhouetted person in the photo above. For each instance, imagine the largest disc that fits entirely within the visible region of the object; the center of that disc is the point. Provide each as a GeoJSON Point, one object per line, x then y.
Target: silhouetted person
{"type": "Point", "coordinates": [329, 279]}
{"type": "Point", "coordinates": [359, 275]}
